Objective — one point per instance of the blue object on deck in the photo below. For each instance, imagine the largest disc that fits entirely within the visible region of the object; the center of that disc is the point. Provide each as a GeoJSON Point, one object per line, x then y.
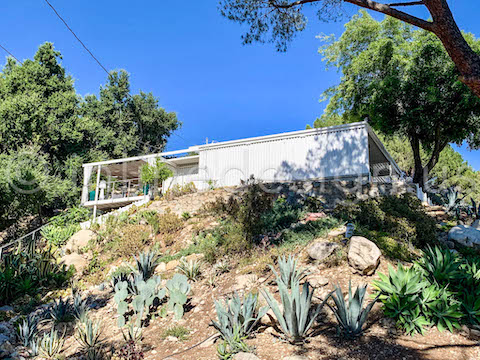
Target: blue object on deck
{"type": "Point", "coordinates": [145, 189]}
{"type": "Point", "coordinates": [91, 195]}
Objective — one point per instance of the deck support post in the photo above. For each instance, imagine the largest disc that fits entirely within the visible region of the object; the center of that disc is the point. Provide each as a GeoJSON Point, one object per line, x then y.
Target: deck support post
{"type": "Point", "coordinates": [96, 193]}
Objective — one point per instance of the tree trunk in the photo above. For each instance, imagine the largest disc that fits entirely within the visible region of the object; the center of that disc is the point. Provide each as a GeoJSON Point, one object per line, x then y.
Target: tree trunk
{"type": "Point", "coordinates": [418, 170]}
{"type": "Point", "coordinates": [465, 59]}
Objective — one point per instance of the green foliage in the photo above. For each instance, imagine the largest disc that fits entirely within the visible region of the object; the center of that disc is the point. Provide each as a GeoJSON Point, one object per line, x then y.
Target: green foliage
{"type": "Point", "coordinates": [297, 316]}
{"type": "Point", "coordinates": [281, 215]}
{"type": "Point", "coordinates": [179, 190]}
{"type": "Point", "coordinates": [404, 81]}
{"type": "Point", "coordinates": [80, 308]}
{"type": "Point", "coordinates": [169, 223]}
{"type": "Point", "coordinates": [402, 217]}
{"type": "Point", "coordinates": [439, 266]}
{"type": "Point", "coordinates": [61, 311]}
{"type": "Point", "coordinates": [59, 235]}
{"type": "Point", "coordinates": [178, 290]}
{"type": "Point", "coordinates": [228, 348]}
{"type": "Point", "coordinates": [27, 331]}
{"type": "Point", "coordinates": [150, 174]}
{"type": "Point", "coordinates": [289, 274]}
{"type": "Point", "coordinates": [51, 345]}
{"type": "Point", "coordinates": [48, 131]}
{"type": "Point", "coordinates": [351, 316]}
{"type": "Point", "coordinates": [186, 215]}
{"type": "Point", "coordinates": [238, 317]}
{"type": "Point", "coordinates": [190, 268]}
{"type": "Point", "coordinates": [178, 331]}
{"type": "Point", "coordinates": [89, 336]}
{"type": "Point", "coordinates": [146, 263]}
{"type": "Point", "coordinates": [24, 272]}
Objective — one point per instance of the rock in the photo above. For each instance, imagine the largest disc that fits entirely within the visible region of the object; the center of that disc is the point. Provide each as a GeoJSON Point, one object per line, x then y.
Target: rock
{"type": "Point", "coordinates": [171, 265]}
{"type": "Point", "coordinates": [269, 318]}
{"type": "Point", "coordinates": [465, 235]}
{"type": "Point", "coordinates": [321, 250]}
{"type": "Point", "coordinates": [171, 338]}
{"type": "Point", "coordinates": [476, 224]}
{"type": "Point", "coordinates": [244, 281]}
{"type": "Point", "coordinates": [363, 255]}
{"type": "Point", "coordinates": [79, 240]}
{"type": "Point", "coordinates": [6, 348]}
{"type": "Point", "coordinates": [194, 257]}
{"type": "Point", "coordinates": [318, 281]}
{"type": "Point", "coordinates": [7, 337]}
{"type": "Point", "coordinates": [76, 260]}
{"type": "Point", "coordinates": [337, 232]}
{"type": "Point", "coordinates": [295, 357]}
{"type": "Point", "coordinates": [161, 267]}
{"type": "Point", "coordinates": [245, 356]}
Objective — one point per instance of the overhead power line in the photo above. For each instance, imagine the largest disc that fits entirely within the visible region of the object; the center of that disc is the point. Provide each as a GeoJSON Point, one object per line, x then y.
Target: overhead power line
{"type": "Point", "coordinates": [76, 37]}
{"type": "Point", "coordinates": [9, 53]}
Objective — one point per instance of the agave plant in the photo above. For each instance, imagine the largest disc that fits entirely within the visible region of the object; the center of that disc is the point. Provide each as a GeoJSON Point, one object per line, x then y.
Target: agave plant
{"type": "Point", "coordinates": [298, 315]}
{"type": "Point", "coordinates": [61, 311]}
{"type": "Point", "coordinates": [146, 263]}
{"type": "Point", "coordinates": [27, 331]}
{"type": "Point", "coordinates": [439, 265]}
{"type": "Point", "coordinates": [452, 199]}
{"type": "Point", "coordinates": [235, 344]}
{"type": "Point", "coordinates": [400, 294]}
{"type": "Point", "coordinates": [238, 315]}
{"type": "Point", "coordinates": [88, 335]}
{"type": "Point", "coordinates": [80, 308]}
{"type": "Point", "coordinates": [50, 345]}
{"type": "Point", "coordinates": [351, 315]}
{"type": "Point", "coordinates": [289, 274]}
{"type": "Point", "coordinates": [190, 268]}
{"type": "Point", "coordinates": [475, 209]}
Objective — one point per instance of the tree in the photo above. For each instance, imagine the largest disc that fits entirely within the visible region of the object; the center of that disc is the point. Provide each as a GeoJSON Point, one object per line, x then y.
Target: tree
{"type": "Point", "coordinates": [280, 20]}
{"type": "Point", "coordinates": [42, 113]}
{"type": "Point", "coordinates": [155, 174]}
{"type": "Point", "coordinates": [404, 83]}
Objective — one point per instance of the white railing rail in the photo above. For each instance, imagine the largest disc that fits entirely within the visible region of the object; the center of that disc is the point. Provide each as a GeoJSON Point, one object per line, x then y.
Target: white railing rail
{"type": "Point", "coordinates": [30, 239]}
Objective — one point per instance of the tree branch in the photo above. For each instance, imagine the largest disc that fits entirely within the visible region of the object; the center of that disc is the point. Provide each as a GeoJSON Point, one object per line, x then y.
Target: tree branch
{"type": "Point", "coordinates": [371, 5]}
{"type": "Point", "coordinates": [421, 2]}
{"type": "Point", "coordinates": [387, 10]}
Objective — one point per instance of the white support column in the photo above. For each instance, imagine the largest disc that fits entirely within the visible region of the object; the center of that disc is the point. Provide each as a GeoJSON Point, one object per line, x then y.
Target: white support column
{"type": "Point", "coordinates": [96, 192]}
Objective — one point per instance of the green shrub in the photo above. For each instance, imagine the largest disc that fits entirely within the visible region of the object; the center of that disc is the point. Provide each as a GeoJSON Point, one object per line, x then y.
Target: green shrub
{"type": "Point", "coordinates": [178, 331]}
{"type": "Point", "coordinates": [179, 190]}
{"type": "Point", "coordinates": [169, 223]}
{"type": "Point", "coordinates": [190, 268]}
{"type": "Point", "coordinates": [402, 217]}
{"type": "Point", "coordinates": [59, 235]}
{"type": "Point", "coordinates": [131, 240]}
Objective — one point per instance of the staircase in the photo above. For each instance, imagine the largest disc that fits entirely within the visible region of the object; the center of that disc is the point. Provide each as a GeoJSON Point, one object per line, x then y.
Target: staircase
{"type": "Point", "coordinates": [439, 213]}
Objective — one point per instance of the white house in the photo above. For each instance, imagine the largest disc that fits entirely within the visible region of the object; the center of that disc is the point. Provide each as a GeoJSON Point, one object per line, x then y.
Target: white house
{"type": "Point", "coordinates": [351, 151]}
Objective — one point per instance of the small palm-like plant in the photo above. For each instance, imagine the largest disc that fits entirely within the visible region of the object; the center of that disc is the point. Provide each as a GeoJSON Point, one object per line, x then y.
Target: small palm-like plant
{"type": "Point", "coordinates": [88, 335]}
{"type": "Point", "coordinates": [27, 331]}
{"type": "Point", "coordinates": [289, 274]}
{"type": "Point", "coordinates": [50, 345]}
{"type": "Point", "coordinates": [146, 263]}
{"type": "Point", "coordinates": [190, 268]}
{"type": "Point", "coordinates": [298, 315]}
{"type": "Point", "coordinates": [351, 316]}
{"type": "Point", "coordinates": [238, 315]}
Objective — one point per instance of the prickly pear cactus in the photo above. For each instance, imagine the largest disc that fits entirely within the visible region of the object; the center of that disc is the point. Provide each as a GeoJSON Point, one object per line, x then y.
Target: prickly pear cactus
{"type": "Point", "coordinates": [178, 289]}
{"type": "Point", "coordinates": [121, 294]}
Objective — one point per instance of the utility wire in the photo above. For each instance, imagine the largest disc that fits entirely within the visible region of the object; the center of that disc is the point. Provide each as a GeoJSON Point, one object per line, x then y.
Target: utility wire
{"type": "Point", "coordinates": [76, 37]}
{"type": "Point", "coordinates": [9, 53]}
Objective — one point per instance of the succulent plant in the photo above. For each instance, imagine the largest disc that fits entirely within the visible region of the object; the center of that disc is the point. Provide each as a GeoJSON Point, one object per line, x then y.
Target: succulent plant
{"type": "Point", "coordinates": [61, 311]}
{"type": "Point", "coordinates": [88, 335]}
{"type": "Point", "coordinates": [146, 263]}
{"type": "Point", "coordinates": [238, 315]}
{"type": "Point", "coordinates": [178, 290]}
{"type": "Point", "coordinates": [50, 345]}
{"type": "Point", "coordinates": [80, 308]}
{"type": "Point", "coordinates": [27, 331]}
{"type": "Point", "coordinates": [298, 315]}
{"type": "Point", "coordinates": [350, 315]}
{"type": "Point", "coordinates": [289, 274]}
{"type": "Point", "coordinates": [190, 268]}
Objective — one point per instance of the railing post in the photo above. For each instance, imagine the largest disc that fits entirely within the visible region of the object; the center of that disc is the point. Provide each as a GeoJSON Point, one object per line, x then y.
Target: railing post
{"type": "Point", "coordinates": [96, 193]}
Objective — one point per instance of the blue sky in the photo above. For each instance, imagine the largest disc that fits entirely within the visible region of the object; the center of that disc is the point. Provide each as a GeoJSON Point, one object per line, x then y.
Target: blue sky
{"type": "Point", "coordinates": [192, 59]}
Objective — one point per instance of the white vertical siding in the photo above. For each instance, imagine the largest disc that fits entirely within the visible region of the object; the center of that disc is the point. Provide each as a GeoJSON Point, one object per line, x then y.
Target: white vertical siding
{"type": "Point", "coordinates": [311, 155]}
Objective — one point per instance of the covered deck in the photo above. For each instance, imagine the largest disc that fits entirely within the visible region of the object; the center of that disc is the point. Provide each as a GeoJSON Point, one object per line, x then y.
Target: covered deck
{"type": "Point", "coordinates": [117, 182]}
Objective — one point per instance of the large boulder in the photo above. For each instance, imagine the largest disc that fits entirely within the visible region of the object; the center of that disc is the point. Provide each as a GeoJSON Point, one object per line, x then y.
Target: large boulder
{"type": "Point", "coordinates": [363, 255]}
{"type": "Point", "coordinates": [79, 240]}
{"type": "Point", "coordinates": [465, 235]}
{"type": "Point", "coordinates": [320, 250]}
{"type": "Point", "coordinates": [7, 338]}
{"type": "Point", "coordinates": [78, 261]}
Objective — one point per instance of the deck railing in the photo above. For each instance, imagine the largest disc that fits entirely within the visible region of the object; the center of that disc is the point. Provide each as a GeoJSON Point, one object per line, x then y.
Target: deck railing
{"type": "Point", "coordinates": [119, 189]}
